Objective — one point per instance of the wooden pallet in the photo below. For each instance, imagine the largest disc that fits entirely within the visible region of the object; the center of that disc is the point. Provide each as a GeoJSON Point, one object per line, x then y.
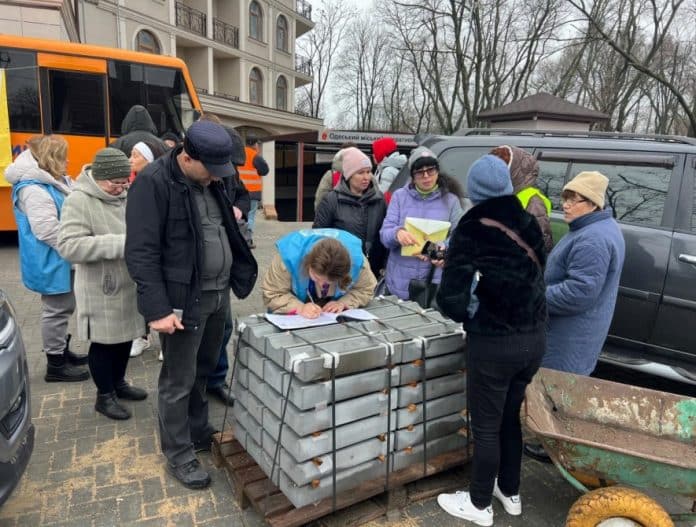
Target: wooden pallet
{"type": "Point", "coordinates": [251, 486]}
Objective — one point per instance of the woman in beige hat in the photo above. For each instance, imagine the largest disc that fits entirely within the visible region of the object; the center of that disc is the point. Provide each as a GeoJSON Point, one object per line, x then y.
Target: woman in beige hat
{"type": "Point", "coordinates": [582, 277]}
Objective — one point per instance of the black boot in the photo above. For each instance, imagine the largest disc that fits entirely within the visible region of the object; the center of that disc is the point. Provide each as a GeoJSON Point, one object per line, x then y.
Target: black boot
{"type": "Point", "coordinates": [73, 358]}
{"type": "Point", "coordinates": [58, 370]}
{"type": "Point", "coordinates": [126, 391]}
{"type": "Point", "coordinates": [108, 405]}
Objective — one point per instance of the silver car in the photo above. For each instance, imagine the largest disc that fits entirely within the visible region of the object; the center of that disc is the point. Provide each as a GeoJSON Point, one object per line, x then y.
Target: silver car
{"type": "Point", "coordinates": [16, 429]}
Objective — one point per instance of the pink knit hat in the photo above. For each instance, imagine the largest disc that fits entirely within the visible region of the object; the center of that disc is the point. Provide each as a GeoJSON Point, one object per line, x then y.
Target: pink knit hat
{"type": "Point", "coordinates": [353, 161]}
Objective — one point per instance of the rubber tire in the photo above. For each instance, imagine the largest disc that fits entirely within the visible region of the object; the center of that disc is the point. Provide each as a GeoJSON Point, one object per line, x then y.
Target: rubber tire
{"type": "Point", "coordinates": [617, 502]}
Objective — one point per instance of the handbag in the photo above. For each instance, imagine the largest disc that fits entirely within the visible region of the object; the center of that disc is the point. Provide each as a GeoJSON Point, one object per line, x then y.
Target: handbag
{"type": "Point", "coordinates": [424, 291]}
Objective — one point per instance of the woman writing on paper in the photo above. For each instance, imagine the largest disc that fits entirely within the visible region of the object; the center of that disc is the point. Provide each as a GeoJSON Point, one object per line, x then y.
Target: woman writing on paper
{"type": "Point", "coordinates": [318, 270]}
{"type": "Point", "coordinates": [430, 195]}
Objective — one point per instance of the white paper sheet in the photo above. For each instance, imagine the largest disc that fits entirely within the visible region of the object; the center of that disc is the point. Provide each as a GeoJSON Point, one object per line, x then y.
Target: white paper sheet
{"type": "Point", "coordinates": [289, 322]}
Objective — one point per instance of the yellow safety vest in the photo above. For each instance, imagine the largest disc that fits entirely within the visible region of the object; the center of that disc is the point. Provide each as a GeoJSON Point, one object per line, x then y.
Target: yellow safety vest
{"type": "Point", "coordinates": [528, 193]}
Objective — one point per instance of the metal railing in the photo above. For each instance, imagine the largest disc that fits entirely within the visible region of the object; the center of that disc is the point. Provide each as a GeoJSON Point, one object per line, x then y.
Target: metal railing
{"type": "Point", "coordinates": [303, 8]}
{"type": "Point", "coordinates": [226, 96]}
{"type": "Point", "coordinates": [303, 65]}
{"type": "Point", "coordinates": [191, 19]}
{"type": "Point", "coordinates": [225, 33]}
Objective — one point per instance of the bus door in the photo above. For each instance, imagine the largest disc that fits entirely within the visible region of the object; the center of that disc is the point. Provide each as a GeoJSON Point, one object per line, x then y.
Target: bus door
{"type": "Point", "coordinates": [73, 104]}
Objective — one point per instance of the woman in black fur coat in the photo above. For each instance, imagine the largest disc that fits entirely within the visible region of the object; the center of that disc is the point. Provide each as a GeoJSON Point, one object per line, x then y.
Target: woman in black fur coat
{"type": "Point", "coordinates": [501, 263]}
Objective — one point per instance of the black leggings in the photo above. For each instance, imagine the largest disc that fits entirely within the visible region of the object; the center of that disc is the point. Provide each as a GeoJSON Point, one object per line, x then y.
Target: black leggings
{"type": "Point", "coordinates": [107, 364]}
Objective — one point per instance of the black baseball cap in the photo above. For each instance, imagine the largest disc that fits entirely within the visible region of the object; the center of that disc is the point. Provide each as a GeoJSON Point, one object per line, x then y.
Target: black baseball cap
{"type": "Point", "coordinates": [209, 143]}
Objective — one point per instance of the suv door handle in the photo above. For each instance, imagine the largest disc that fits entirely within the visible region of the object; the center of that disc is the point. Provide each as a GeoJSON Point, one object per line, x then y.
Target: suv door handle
{"type": "Point", "coordinates": [687, 258]}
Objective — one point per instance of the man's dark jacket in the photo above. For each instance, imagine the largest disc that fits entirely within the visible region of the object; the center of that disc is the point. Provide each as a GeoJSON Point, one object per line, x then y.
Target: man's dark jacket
{"type": "Point", "coordinates": [164, 243]}
{"type": "Point", "coordinates": [359, 215]}
{"type": "Point", "coordinates": [511, 290]}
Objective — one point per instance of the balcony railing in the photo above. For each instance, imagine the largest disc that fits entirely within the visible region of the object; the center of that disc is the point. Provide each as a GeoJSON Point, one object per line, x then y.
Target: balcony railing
{"type": "Point", "coordinates": [226, 96]}
{"type": "Point", "coordinates": [190, 18]}
{"type": "Point", "coordinates": [303, 65]}
{"type": "Point", "coordinates": [225, 33]}
{"type": "Point", "coordinates": [304, 9]}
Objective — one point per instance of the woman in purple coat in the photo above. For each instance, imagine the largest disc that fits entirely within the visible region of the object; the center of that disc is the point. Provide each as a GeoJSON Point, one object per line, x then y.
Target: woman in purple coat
{"type": "Point", "coordinates": [430, 195]}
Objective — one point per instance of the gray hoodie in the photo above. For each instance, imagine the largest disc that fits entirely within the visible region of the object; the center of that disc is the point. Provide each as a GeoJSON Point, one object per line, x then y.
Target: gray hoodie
{"type": "Point", "coordinates": [34, 200]}
{"type": "Point", "coordinates": [388, 169]}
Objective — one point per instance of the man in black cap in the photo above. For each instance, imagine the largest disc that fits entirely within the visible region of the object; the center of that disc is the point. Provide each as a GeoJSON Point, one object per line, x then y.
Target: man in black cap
{"type": "Point", "coordinates": [182, 245]}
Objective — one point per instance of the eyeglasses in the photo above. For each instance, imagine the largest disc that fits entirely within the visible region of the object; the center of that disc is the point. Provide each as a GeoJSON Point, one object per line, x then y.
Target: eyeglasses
{"type": "Point", "coordinates": [118, 184]}
{"type": "Point", "coordinates": [573, 200]}
{"type": "Point", "coordinates": [424, 172]}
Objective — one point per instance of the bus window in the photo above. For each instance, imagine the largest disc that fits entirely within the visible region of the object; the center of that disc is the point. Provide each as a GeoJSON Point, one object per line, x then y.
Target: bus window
{"type": "Point", "coordinates": [161, 90]}
{"type": "Point", "coordinates": [22, 89]}
{"type": "Point", "coordinates": [77, 103]}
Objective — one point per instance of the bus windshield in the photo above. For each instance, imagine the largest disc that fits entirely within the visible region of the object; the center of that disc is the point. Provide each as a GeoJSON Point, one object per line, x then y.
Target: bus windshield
{"type": "Point", "coordinates": [161, 90]}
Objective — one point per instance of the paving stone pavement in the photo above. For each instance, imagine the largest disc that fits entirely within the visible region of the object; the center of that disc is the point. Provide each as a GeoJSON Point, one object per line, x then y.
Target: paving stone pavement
{"type": "Point", "coordinates": [92, 471]}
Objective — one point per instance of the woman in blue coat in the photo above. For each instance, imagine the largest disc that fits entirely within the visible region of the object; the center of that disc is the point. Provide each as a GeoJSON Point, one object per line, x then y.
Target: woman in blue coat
{"type": "Point", "coordinates": [582, 277]}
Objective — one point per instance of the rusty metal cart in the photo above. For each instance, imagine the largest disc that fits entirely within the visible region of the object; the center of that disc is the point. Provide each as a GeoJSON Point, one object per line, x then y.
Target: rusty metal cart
{"type": "Point", "coordinates": [615, 435]}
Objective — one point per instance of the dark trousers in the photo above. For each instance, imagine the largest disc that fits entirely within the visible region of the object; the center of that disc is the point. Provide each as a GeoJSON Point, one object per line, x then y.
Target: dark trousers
{"type": "Point", "coordinates": [217, 378]}
{"type": "Point", "coordinates": [499, 369]}
{"type": "Point", "coordinates": [107, 364]}
{"type": "Point", "coordinates": [189, 357]}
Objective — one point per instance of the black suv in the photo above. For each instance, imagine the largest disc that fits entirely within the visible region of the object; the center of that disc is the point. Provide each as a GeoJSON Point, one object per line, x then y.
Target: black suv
{"type": "Point", "coordinates": [652, 192]}
{"type": "Point", "coordinates": [16, 429]}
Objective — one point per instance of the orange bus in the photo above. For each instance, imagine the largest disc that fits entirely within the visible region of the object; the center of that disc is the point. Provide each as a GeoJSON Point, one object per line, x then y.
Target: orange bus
{"type": "Point", "coordinates": [82, 92]}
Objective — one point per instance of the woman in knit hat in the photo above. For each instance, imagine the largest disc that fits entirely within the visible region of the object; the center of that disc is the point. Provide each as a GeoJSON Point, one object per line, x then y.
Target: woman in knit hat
{"type": "Point", "coordinates": [389, 161]}
{"type": "Point", "coordinates": [493, 283]}
{"type": "Point", "coordinates": [582, 277]}
{"type": "Point", "coordinates": [431, 195]}
{"type": "Point", "coordinates": [93, 236]}
{"type": "Point", "coordinates": [356, 205]}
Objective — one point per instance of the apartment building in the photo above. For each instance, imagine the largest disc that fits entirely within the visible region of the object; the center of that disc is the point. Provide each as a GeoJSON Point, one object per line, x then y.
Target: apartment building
{"type": "Point", "coordinates": [240, 53]}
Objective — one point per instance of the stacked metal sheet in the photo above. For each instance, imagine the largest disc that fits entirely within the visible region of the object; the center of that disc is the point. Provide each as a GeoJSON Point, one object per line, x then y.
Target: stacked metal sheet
{"type": "Point", "coordinates": [323, 409]}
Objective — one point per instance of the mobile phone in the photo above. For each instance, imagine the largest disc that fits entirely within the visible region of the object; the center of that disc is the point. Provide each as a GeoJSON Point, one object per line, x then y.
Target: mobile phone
{"type": "Point", "coordinates": [179, 313]}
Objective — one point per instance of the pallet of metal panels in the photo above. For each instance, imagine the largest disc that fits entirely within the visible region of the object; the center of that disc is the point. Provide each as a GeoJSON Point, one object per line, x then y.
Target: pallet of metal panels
{"type": "Point", "coordinates": [252, 487]}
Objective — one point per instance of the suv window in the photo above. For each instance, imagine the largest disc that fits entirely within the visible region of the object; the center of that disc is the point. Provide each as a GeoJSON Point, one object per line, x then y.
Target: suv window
{"type": "Point", "coordinates": [552, 177]}
{"type": "Point", "coordinates": [636, 194]}
{"type": "Point", "coordinates": [455, 162]}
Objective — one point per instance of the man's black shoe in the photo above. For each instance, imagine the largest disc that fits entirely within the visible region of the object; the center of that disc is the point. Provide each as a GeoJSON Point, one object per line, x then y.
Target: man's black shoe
{"type": "Point", "coordinates": [190, 474]}
{"type": "Point", "coordinates": [222, 394]}
{"type": "Point", "coordinates": [126, 391]}
{"type": "Point", "coordinates": [58, 370]}
{"type": "Point", "coordinates": [76, 359]}
{"type": "Point", "coordinates": [536, 451]}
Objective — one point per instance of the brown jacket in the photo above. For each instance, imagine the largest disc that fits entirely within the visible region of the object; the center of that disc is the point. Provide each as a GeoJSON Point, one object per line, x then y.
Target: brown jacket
{"type": "Point", "coordinates": [276, 288]}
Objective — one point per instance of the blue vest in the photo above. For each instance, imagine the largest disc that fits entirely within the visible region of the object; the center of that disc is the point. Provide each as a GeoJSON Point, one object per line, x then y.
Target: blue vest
{"type": "Point", "coordinates": [43, 269]}
{"type": "Point", "coordinates": [295, 246]}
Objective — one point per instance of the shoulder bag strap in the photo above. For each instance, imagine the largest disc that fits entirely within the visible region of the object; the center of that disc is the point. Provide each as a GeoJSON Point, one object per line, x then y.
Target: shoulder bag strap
{"type": "Point", "coordinates": [514, 237]}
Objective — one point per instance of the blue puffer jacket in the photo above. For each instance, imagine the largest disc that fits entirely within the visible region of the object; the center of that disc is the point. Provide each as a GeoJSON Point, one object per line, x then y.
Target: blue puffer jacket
{"type": "Point", "coordinates": [582, 277]}
{"type": "Point", "coordinates": [407, 202]}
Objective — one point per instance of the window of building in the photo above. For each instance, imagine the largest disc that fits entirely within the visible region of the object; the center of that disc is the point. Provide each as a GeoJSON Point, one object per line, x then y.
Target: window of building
{"type": "Point", "coordinates": [255, 86]}
{"type": "Point", "coordinates": [255, 21]}
{"type": "Point", "coordinates": [282, 33]}
{"type": "Point", "coordinates": [147, 42]}
{"type": "Point", "coordinates": [77, 103]}
{"type": "Point", "coordinates": [282, 93]}
{"type": "Point", "coordinates": [22, 89]}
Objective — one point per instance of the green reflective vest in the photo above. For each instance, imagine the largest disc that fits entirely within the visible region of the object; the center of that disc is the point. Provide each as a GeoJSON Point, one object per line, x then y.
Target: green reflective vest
{"type": "Point", "coordinates": [528, 193]}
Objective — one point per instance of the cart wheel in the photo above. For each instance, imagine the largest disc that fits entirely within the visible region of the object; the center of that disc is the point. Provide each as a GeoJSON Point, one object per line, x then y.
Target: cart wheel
{"type": "Point", "coordinates": [602, 506]}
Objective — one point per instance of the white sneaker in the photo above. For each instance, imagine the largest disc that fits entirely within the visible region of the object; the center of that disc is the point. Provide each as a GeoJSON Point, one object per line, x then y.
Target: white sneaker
{"type": "Point", "coordinates": [459, 505]}
{"type": "Point", "coordinates": [160, 357]}
{"type": "Point", "coordinates": [138, 346]}
{"type": "Point", "coordinates": [511, 504]}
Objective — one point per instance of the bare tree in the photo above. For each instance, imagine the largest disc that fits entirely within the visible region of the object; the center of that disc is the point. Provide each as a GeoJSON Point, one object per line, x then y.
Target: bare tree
{"type": "Point", "coordinates": [321, 46]}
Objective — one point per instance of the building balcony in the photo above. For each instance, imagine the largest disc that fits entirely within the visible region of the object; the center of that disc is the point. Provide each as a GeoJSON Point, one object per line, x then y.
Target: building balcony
{"type": "Point", "coordinates": [304, 9]}
{"type": "Point", "coordinates": [191, 19]}
{"type": "Point", "coordinates": [303, 65]}
{"type": "Point", "coordinates": [303, 22]}
{"type": "Point", "coordinates": [225, 33]}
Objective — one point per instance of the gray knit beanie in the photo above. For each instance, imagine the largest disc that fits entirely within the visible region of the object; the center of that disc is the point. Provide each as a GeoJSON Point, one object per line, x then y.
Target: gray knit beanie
{"type": "Point", "coordinates": [110, 163]}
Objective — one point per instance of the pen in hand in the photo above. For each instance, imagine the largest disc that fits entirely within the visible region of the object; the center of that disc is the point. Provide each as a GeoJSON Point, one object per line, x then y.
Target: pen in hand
{"type": "Point", "coordinates": [311, 310]}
